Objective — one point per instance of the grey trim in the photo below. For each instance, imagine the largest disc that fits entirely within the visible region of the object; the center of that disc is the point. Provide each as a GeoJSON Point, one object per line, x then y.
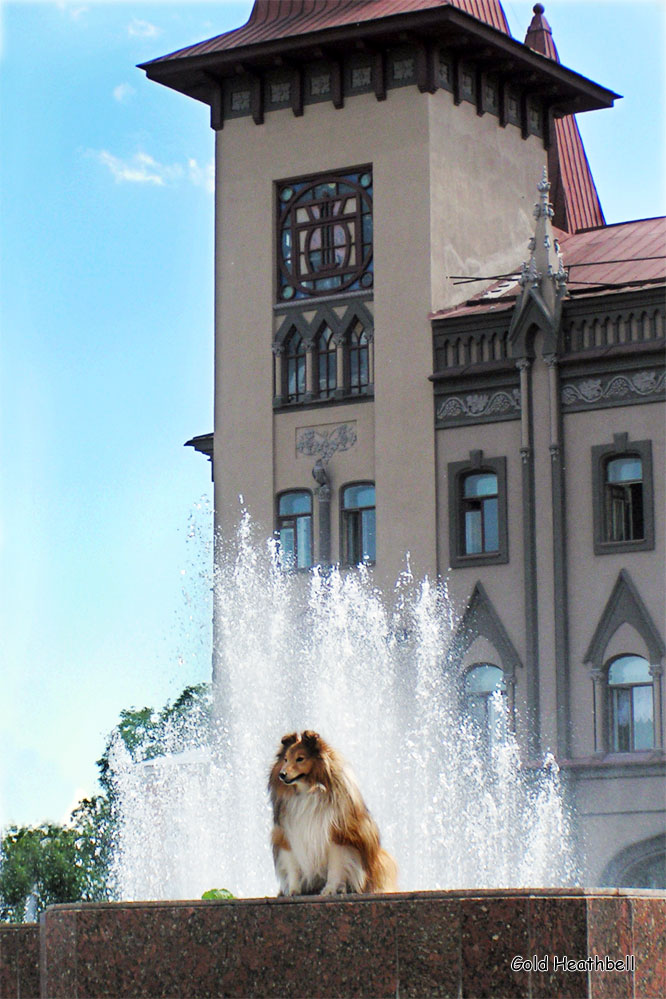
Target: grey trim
{"type": "Point", "coordinates": [624, 606]}
{"type": "Point", "coordinates": [323, 442]}
{"type": "Point", "coordinates": [600, 454]}
{"type": "Point", "coordinates": [561, 601]}
{"type": "Point", "coordinates": [456, 471]}
{"type": "Point", "coordinates": [482, 620]}
{"type": "Point", "coordinates": [323, 314]}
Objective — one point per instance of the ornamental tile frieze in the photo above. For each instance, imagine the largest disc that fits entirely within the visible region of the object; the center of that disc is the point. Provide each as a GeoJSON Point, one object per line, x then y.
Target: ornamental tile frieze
{"type": "Point", "coordinates": [478, 407]}
{"type": "Point", "coordinates": [614, 389]}
{"type": "Point", "coordinates": [324, 441]}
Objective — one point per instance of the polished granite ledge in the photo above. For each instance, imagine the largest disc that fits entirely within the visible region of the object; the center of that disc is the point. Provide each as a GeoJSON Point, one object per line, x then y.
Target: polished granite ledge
{"type": "Point", "coordinates": [19, 961]}
{"type": "Point", "coordinates": [457, 944]}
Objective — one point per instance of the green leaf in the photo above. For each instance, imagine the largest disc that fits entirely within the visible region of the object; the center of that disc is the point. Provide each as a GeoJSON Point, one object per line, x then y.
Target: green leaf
{"type": "Point", "coordinates": [217, 893]}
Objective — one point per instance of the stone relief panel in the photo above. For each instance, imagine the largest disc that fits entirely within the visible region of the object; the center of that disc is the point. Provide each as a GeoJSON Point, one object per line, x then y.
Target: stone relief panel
{"type": "Point", "coordinates": [479, 407]}
{"type": "Point", "coordinates": [614, 390]}
{"type": "Point", "coordinates": [324, 441]}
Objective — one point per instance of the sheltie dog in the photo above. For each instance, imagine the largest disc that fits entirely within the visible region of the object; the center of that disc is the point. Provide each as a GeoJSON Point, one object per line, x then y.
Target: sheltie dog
{"type": "Point", "coordinates": [324, 839]}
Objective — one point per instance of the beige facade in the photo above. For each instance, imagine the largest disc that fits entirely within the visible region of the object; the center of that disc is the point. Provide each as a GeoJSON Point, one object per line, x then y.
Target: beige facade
{"type": "Point", "coordinates": [530, 389]}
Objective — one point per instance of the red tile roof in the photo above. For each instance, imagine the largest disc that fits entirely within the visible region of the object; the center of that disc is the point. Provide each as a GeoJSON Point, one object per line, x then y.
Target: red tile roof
{"type": "Point", "coordinates": [573, 191]}
{"type": "Point", "coordinates": [274, 19]}
{"type": "Point", "coordinates": [608, 259]}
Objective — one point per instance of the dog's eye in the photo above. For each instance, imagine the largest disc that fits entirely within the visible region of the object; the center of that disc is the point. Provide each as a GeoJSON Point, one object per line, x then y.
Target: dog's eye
{"type": "Point", "coordinates": [299, 759]}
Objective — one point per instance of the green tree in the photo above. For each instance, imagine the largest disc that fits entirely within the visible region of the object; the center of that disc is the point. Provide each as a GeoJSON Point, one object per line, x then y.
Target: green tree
{"type": "Point", "coordinates": [50, 863]}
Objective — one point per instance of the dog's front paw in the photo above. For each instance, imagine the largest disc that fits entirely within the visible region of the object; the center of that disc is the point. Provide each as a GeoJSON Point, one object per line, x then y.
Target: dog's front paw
{"type": "Point", "coordinates": [334, 889]}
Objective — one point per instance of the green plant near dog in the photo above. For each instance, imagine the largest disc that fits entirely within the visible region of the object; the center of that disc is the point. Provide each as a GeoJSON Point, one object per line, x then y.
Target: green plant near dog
{"type": "Point", "coordinates": [214, 893]}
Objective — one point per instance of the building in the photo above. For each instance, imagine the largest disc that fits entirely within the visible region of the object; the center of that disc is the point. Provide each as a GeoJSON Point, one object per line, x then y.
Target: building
{"type": "Point", "coordinates": [377, 161]}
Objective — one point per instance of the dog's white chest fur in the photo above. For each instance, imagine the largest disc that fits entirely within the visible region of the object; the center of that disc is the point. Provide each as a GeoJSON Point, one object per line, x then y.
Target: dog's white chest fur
{"type": "Point", "coordinates": [306, 821]}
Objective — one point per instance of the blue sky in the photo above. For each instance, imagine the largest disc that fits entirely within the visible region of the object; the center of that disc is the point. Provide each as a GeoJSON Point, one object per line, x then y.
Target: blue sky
{"type": "Point", "coordinates": [106, 313]}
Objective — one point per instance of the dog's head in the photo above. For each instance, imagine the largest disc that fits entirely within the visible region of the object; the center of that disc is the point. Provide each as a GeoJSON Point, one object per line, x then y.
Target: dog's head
{"type": "Point", "coordinates": [297, 758]}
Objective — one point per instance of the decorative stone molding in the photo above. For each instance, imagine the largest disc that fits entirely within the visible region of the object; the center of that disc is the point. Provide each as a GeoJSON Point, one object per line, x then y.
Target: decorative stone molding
{"type": "Point", "coordinates": [324, 442]}
{"type": "Point", "coordinates": [481, 619]}
{"type": "Point", "coordinates": [614, 389]}
{"type": "Point", "coordinates": [479, 407]}
{"type": "Point", "coordinates": [624, 604]}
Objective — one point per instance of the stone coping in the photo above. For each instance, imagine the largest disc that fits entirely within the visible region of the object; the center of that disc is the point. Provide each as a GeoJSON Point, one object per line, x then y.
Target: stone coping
{"type": "Point", "coordinates": [410, 944]}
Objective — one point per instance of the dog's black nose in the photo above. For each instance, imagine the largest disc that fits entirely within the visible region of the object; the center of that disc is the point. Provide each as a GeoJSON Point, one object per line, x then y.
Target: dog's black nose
{"type": "Point", "coordinates": [283, 775]}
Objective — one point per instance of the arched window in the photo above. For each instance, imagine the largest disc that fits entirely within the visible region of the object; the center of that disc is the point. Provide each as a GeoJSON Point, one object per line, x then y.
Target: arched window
{"type": "Point", "coordinates": [631, 707]}
{"type": "Point", "coordinates": [623, 498]}
{"type": "Point", "coordinates": [294, 529]}
{"type": "Point", "coordinates": [479, 510]}
{"type": "Point", "coordinates": [358, 359]}
{"type": "Point", "coordinates": [327, 371]}
{"type": "Point", "coordinates": [359, 542]}
{"type": "Point", "coordinates": [484, 697]}
{"type": "Point", "coordinates": [294, 368]}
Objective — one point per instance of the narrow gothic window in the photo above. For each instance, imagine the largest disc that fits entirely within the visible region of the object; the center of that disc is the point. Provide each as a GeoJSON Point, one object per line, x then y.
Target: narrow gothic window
{"type": "Point", "coordinates": [484, 702]}
{"type": "Point", "coordinates": [359, 543]}
{"type": "Point", "coordinates": [623, 499]}
{"type": "Point", "coordinates": [358, 348]}
{"type": "Point", "coordinates": [325, 235]}
{"type": "Point", "coordinates": [479, 511]}
{"type": "Point", "coordinates": [294, 368]}
{"type": "Point", "coordinates": [294, 529]}
{"type": "Point", "coordinates": [631, 707]}
{"type": "Point", "coordinates": [326, 363]}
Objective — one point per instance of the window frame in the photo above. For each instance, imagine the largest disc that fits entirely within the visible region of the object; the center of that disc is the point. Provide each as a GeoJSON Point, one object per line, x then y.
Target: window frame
{"type": "Point", "coordinates": [344, 555]}
{"type": "Point", "coordinates": [294, 517]}
{"type": "Point", "coordinates": [458, 471]}
{"type": "Point", "coordinates": [602, 454]}
{"type": "Point", "coordinates": [354, 276]}
{"type": "Point", "coordinates": [611, 701]}
{"type": "Point", "coordinates": [484, 697]}
{"type": "Point", "coordinates": [300, 397]}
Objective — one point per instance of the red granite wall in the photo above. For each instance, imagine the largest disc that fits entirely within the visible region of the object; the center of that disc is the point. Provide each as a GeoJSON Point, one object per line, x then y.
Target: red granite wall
{"type": "Point", "coordinates": [19, 961]}
{"type": "Point", "coordinates": [427, 944]}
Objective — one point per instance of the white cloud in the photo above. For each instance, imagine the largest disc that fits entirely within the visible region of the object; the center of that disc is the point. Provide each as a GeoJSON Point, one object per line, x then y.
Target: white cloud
{"type": "Point", "coordinates": [122, 92]}
{"type": "Point", "coordinates": [142, 29]}
{"type": "Point", "coordinates": [140, 169]}
{"type": "Point", "coordinates": [75, 12]}
{"type": "Point", "coordinates": [145, 169]}
{"type": "Point", "coordinates": [202, 176]}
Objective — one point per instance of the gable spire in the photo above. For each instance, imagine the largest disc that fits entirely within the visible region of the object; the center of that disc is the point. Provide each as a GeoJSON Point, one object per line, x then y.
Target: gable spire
{"type": "Point", "coordinates": [543, 279]}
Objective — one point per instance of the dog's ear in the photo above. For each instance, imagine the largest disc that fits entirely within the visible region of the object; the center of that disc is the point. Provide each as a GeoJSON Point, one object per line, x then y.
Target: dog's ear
{"type": "Point", "coordinates": [289, 740]}
{"type": "Point", "coordinates": [311, 741]}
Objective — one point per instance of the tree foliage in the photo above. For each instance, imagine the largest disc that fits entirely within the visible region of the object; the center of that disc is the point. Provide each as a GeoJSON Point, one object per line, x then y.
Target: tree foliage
{"type": "Point", "coordinates": [50, 863]}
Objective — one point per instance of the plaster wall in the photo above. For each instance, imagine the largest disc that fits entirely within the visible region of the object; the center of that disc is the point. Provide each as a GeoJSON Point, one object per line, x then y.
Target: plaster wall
{"type": "Point", "coordinates": [438, 209]}
{"type": "Point", "coordinates": [616, 812]}
{"type": "Point", "coordinates": [592, 577]}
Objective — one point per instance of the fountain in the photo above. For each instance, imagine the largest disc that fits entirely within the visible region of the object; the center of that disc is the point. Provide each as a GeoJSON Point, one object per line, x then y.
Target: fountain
{"type": "Point", "coordinates": [472, 829]}
{"type": "Point", "coordinates": [383, 684]}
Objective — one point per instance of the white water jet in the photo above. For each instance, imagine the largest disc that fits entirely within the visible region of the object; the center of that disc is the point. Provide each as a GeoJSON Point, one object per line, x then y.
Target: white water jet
{"type": "Point", "coordinates": [322, 651]}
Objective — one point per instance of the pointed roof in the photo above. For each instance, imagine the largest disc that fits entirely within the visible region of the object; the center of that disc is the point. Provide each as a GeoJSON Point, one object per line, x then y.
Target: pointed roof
{"type": "Point", "coordinates": [293, 33]}
{"type": "Point", "coordinates": [574, 193]}
{"type": "Point", "coordinates": [271, 20]}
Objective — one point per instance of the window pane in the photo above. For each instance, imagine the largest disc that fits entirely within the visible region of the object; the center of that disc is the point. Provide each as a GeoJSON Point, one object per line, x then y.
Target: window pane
{"type": "Point", "coordinates": [298, 502]}
{"type": "Point", "coordinates": [473, 535]}
{"type": "Point", "coordinates": [628, 469]}
{"type": "Point", "coordinates": [287, 540]}
{"type": "Point", "coordinates": [490, 525]}
{"type": "Point", "coordinates": [621, 712]}
{"type": "Point", "coordinates": [484, 484]}
{"type": "Point", "coordinates": [359, 496]}
{"type": "Point", "coordinates": [643, 727]}
{"type": "Point", "coordinates": [629, 669]}
{"type": "Point", "coordinates": [352, 546]}
{"type": "Point", "coordinates": [369, 542]}
{"type": "Point", "coordinates": [484, 679]}
{"type": "Point", "coordinates": [303, 543]}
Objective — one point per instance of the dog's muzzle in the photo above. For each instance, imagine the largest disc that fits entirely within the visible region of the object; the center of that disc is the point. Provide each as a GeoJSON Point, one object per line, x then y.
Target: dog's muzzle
{"type": "Point", "coordinates": [286, 780]}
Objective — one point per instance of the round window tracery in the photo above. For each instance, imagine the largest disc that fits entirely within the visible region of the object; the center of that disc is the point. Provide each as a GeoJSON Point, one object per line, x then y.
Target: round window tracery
{"type": "Point", "coordinates": [325, 236]}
